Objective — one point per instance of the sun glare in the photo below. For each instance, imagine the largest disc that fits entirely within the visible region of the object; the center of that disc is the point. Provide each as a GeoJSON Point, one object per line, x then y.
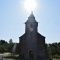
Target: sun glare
{"type": "Point", "coordinates": [30, 5]}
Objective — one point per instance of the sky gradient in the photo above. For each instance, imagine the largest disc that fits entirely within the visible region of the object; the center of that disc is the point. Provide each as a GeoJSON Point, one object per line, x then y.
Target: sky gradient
{"type": "Point", "coordinates": [13, 15]}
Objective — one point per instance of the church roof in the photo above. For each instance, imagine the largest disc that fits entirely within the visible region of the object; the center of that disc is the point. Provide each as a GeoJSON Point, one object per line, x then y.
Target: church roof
{"type": "Point", "coordinates": [40, 35]}
{"type": "Point", "coordinates": [31, 15]}
{"type": "Point", "coordinates": [31, 18]}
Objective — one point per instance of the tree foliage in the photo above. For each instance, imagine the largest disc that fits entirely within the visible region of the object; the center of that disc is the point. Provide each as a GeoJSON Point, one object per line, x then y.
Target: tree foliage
{"type": "Point", "coordinates": [54, 49]}
{"type": "Point", "coordinates": [5, 46]}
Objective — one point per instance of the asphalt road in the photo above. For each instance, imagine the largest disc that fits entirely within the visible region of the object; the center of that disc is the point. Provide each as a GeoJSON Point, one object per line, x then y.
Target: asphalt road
{"type": "Point", "coordinates": [18, 59]}
{"type": "Point", "coordinates": [5, 59]}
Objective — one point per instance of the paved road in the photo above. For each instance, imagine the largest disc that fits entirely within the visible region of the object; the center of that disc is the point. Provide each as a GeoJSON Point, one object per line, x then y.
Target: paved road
{"type": "Point", "coordinates": [4, 58]}
{"type": "Point", "coordinates": [16, 59]}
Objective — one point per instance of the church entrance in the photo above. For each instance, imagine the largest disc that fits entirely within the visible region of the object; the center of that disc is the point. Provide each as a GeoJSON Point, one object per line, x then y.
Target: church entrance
{"type": "Point", "coordinates": [31, 54]}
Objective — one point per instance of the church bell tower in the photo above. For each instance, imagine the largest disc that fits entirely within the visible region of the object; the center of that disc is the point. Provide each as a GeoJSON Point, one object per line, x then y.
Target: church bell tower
{"type": "Point", "coordinates": [31, 36]}
{"type": "Point", "coordinates": [31, 24]}
{"type": "Point", "coordinates": [32, 43]}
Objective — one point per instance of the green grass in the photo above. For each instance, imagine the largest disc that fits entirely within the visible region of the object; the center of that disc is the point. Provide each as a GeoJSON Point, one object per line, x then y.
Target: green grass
{"type": "Point", "coordinates": [12, 56]}
{"type": "Point", "coordinates": [56, 56]}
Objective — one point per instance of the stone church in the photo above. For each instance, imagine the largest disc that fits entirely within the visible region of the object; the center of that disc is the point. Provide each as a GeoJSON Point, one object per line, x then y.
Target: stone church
{"type": "Point", "coordinates": [32, 43]}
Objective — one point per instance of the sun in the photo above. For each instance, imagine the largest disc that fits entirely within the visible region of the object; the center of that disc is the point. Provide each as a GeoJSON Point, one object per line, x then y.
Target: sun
{"type": "Point", "coordinates": [30, 5]}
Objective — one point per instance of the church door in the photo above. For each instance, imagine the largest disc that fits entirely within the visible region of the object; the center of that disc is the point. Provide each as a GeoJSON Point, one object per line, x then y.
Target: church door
{"type": "Point", "coordinates": [31, 54]}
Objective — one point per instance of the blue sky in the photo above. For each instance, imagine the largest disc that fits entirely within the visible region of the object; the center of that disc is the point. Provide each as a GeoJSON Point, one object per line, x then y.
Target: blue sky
{"type": "Point", "coordinates": [13, 15]}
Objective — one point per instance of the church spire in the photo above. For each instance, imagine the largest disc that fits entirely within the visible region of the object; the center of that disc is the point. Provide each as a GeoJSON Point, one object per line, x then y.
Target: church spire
{"type": "Point", "coordinates": [31, 18]}
{"type": "Point", "coordinates": [31, 15]}
{"type": "Point", "coordinates": [32, 12]}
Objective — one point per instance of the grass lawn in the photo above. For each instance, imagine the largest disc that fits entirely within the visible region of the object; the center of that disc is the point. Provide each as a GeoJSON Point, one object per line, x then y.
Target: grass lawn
{"type": "Point", "coordinates": [11, 56]}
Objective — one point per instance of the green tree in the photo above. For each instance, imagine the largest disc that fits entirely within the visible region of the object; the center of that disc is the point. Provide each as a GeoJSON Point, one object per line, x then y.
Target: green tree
{"type": "Point", "coordinates": [2, 42]}
{"type": "Point", "coordinates": [10, 41]}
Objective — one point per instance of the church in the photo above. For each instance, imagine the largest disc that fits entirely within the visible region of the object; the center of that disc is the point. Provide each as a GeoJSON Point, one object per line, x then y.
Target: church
{"type": "Point", "coordinates": [32, 43]}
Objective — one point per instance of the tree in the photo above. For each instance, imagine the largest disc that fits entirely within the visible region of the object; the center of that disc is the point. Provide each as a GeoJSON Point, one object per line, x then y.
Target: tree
{"type": "Point", "coordinates": [2, 42]}
{"type": "Point", "coordinates": [10, 46]}
{"type": "Point", "coordinates": [2, 49]}
{"type": "Point", "coordinates": [54, 49]}
{"type": "Point", "coordinates": [10, 41]}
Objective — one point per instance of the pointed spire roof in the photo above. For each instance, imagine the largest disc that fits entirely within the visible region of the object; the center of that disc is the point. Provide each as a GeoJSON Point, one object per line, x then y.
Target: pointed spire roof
{"type": "Point", "coordinates": [31, 18]}
{"type": "Point", "coordinates": [31, 15]}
